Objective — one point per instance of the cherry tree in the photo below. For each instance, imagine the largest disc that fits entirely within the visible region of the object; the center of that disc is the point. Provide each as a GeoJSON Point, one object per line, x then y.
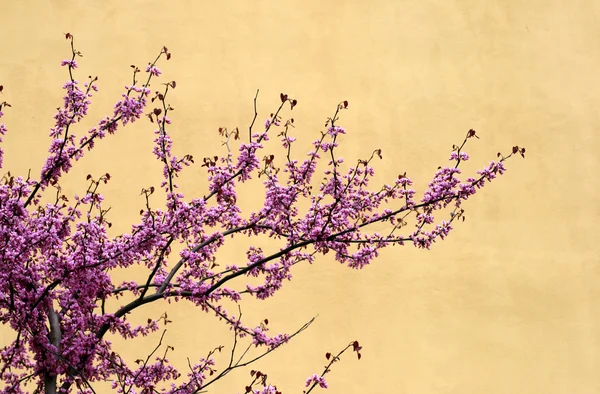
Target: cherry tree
{"type": "Point", "coordinates": [57, 255]}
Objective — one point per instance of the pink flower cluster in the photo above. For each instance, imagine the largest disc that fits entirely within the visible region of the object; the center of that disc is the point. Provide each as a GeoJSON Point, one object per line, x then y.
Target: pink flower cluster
{"type": "Point", "coordinates": [316, 379]}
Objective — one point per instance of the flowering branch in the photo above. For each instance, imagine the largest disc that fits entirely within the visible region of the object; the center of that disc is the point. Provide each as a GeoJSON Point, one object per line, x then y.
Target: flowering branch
{"type": "Point", "coordinates": [319, 380]}
{"type": "Point", "coordinates": [57, 257]}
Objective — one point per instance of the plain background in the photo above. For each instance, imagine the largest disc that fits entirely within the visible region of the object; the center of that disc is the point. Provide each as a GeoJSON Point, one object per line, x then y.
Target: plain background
{"type": "Point", "coordinates": [508, 304]}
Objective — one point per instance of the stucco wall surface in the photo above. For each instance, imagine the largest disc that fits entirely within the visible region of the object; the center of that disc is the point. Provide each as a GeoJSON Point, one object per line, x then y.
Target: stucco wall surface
{"type": "Point", "coordinates": [508, 304]}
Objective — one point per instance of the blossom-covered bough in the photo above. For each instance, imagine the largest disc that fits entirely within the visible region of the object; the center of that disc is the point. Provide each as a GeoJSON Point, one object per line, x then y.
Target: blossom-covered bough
{"type": "Point", "coordinates": [57, 256]}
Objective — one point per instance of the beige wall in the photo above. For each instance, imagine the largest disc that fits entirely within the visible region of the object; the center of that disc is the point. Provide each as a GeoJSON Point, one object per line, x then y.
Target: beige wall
{"type": "Point", "coordinates": [509, 304]}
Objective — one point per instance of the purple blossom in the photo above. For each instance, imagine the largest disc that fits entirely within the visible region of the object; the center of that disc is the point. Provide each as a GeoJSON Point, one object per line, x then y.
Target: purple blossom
{"type": "Point", "coordinates": [70, 63]}
{"type": "Point", "coordinates": [57, 290]}
{"type": "Point", "coordinates": [316, 379]}
{"type": "Point", "coordinates": [153, 70]}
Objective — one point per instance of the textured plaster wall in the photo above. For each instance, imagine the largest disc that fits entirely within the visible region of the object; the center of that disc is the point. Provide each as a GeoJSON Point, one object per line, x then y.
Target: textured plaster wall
{"type": "Point", "coordinates": [508, 304]}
